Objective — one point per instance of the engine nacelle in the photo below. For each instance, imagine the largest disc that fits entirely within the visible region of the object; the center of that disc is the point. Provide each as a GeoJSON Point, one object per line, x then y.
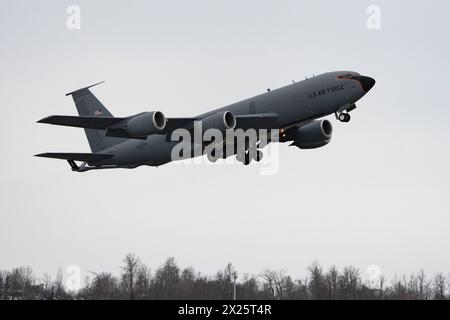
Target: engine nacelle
{"type": "Point", "coordinates": [221, 121]}
{"type": "Point", "coordinates": [146, 123]}
{"type": "Point", "coordinates": [313, 135]}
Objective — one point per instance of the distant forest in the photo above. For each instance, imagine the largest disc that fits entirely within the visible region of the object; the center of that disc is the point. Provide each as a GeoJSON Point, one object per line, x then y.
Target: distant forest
{"type": "Point", "coordinates": [169, 281]}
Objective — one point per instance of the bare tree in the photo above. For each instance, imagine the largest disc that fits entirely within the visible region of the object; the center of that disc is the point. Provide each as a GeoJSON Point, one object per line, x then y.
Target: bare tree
{"type": "Point", "coordinates": [166, 280]}
{"type": "Point", "coordinates": [422, 285]}
{"type": "Point", "coordinates": [332, 281]}
{"type": "Point", "coordinates": [47, 289]}
{"type": "Point", "coordinates": [269, 277]}
{"type": "Point", "coordinates": [103, 286]}
{"type": "Point", "coordinates": [189, 286]}
{"type": "Point", "coordinates": [317, 286]}
{"type": "Point", "coordinates": [2, 284]}
{"type": "Point", "coordinates": [381, 281]}
{"type": "Point", "coordinates": [169, 282]}
{"type": "Point", "coordinates": [349, 282]}
{"type": "Point", "coordinates": [276, 282]}
{"type": "Point", "coordinates": [130, 268]}
{"type": "Point", "coordinates": [439, 286]}
{"type": "Point", "coordinates": [143, 279]}
{"type": "Point", "coordinates": [59, 287]}
{"type": "Point", "coordinates": [19, 283]}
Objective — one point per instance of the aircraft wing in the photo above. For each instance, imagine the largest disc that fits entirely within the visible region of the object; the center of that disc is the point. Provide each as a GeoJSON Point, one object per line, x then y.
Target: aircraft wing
{"type": "Point", "coordinates": [256, 121]}
{"type": "Point", "coordinates": [176, 123]}
{"type": "Point", "coordinates": [113, 125]}
{"type": "Point", "coordinates": [246, 121]}
{"type": "Point", "coordinates": [100, 123]}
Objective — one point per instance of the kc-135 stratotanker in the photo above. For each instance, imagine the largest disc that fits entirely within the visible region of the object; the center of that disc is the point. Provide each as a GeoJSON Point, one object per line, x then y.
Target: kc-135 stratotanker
{"type": "Point", "coordinates": [145, 139]}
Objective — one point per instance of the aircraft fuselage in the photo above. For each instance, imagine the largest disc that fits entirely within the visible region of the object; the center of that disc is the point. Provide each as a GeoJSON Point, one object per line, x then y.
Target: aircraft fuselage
{"type": "Point", "coordinates": [309, 99]}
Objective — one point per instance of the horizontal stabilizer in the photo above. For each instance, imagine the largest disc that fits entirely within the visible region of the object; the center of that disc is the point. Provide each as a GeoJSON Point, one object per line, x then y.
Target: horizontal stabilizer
{"type": "Point", "coordinates": [86, 157]}
{"type": "Point", "coordinates": [100, 123]}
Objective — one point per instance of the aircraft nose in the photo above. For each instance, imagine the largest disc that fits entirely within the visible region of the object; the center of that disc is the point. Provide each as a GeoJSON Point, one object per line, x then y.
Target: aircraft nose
{"type": "Point", "coordinates": [367, 83]}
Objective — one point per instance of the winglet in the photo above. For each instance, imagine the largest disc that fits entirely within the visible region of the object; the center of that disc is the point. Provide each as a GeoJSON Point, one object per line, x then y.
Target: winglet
{"type": "Point", "coordinates": [85, 88]}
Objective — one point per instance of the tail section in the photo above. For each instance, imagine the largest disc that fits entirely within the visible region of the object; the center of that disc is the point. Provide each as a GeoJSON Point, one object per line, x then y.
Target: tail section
{"type": "Point", "coordinates": [88, 105]}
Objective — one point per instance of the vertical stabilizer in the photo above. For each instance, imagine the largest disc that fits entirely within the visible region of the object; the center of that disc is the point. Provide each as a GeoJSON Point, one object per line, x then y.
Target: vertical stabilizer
{"type": "Point", "coordinates": [88, 105]}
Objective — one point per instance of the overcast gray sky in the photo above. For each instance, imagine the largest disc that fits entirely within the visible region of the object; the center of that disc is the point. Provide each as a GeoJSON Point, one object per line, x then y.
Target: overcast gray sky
{"type": "Point", "coordinates": [378, 194]}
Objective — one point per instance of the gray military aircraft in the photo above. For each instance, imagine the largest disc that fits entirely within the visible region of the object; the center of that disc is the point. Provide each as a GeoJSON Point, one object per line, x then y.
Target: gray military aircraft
{"type": "Point", "coordinates": [145, 138]}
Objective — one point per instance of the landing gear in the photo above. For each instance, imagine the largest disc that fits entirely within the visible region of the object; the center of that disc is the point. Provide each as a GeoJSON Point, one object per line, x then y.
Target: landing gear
{"type": "Point", "coordinates": [343, 117]}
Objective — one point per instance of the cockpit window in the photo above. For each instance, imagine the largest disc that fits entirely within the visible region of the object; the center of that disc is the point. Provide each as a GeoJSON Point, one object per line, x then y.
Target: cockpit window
{"type": "Point", "coordinates": [350, 76]}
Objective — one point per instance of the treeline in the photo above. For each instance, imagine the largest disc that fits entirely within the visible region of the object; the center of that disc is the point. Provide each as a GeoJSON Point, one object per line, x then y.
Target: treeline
{"type": "Point", "coordinates": [169, 281]}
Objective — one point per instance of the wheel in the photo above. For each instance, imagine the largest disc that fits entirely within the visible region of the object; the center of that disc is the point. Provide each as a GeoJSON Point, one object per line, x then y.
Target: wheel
{"type": "Point", "coordinates": [347, 117]}
{"type": "Point", "coordinates": [344, 117]}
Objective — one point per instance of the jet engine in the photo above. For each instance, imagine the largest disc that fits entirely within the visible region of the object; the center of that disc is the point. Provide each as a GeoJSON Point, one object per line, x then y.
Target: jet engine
{"type": "Point", "coordinates": [146, 123]}
{"type": "Point", "coordinates": [315, 134]}
{"type": "Point", "coordinates": [221, 121]}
